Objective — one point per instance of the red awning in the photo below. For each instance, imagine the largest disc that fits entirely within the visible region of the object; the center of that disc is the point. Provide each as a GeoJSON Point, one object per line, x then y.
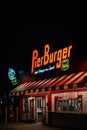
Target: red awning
{"type": "Point", "coordinates": [52, 82]}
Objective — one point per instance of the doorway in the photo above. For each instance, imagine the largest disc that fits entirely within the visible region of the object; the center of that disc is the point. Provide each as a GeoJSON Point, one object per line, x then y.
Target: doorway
{"type": "Point", "coordinates": [31, 104]}
{"type": "Point", "coordinates": [39, 109]}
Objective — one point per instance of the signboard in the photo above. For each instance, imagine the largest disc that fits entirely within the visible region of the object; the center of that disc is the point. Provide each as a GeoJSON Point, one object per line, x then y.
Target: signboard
{"type": "Point", "coordinates": [55, 60]}
{"type": "Point", "coordinates": [12, 76]}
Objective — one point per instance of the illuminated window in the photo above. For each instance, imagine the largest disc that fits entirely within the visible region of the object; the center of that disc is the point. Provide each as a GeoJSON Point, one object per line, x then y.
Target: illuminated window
{"type": "Point", "coordinates": [69, 105]}
{"type": "Point", "coordinates": [75, 85]}
{"type": "Point", "coordinates": [65, 87]}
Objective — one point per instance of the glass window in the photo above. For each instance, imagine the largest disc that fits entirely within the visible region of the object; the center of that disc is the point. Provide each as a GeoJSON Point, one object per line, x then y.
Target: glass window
{"type": "Point", "coordinates": [39, 102]}
{"type": "Point", "coordinates": [72, 105]}
{"type": "Point", "coordinates": [25, 104]}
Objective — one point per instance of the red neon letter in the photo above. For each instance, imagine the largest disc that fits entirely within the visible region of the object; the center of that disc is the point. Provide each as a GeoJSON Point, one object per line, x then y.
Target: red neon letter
{"type": "Point", "coordinates": [34, 57]}
{"type": "Point", "coordinates": [46, 55]}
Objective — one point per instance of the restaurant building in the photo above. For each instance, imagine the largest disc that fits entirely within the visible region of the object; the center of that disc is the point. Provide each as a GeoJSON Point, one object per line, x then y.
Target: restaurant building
{"type": "Point", "coordinates": [52, 100]}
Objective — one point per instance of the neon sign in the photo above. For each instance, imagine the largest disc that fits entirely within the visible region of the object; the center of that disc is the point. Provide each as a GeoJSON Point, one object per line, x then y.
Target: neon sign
{"type": "Point", "coordinates": [44, 70]}
{"type": "Point", "coordinates": [12, 76]}
{"type": "Point", "coordinates": [59, 57]}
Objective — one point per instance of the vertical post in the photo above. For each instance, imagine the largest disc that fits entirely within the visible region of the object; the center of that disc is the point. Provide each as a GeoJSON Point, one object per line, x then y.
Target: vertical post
{"type": "Point", "coordinates": [49, 101]}
{"type": "Point", "coordinates": [5, 114]}
{"type": "Point", "coordinates": [16, 114]}
{"type": "Point", "coordinates": [20, 108]}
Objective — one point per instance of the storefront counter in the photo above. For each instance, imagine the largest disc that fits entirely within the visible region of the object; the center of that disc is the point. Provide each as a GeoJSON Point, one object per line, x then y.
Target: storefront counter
{"type": "Point", "coordinates": [68, 120]}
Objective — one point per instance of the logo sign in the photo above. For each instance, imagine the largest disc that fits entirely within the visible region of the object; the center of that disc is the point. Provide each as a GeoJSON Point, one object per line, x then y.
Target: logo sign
{"type": "Point", "coordinates": [12, 76]}
{"type": "Point", "coordinates": [55, 60]}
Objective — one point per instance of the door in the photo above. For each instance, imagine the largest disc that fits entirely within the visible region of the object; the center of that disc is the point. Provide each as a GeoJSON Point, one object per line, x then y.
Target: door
{"type": "Point", "coordinates": [39, 109]}
{"type": "Point", "coordinates": [31, 104]}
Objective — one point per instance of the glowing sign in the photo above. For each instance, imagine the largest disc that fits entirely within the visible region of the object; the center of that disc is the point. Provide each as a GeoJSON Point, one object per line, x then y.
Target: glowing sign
{"type": "Point", "coordinates": [65, 64]}
{"type": "Point", "coordinates": [44, 70]}
{"type": "Point", "coordinates": [59, 57]}
{"type": "Point", "coordinates": [12, 76]}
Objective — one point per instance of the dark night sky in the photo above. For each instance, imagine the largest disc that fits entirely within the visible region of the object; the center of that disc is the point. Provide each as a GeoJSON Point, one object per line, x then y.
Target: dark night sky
{"type": "Point", "coordinates": [22, 34]}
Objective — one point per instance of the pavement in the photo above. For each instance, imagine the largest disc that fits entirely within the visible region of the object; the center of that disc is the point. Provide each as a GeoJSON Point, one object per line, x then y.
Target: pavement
{"type": "Point", "coordinates": [30, 126]}
{"type": "Point", "coordinates": [16, 125]}
{"type": "Point", "coordinates": [26, 126]}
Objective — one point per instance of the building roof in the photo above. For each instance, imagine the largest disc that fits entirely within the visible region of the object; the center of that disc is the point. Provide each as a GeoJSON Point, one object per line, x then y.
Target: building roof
{"type": "Point", "coordinates": [47, 84]}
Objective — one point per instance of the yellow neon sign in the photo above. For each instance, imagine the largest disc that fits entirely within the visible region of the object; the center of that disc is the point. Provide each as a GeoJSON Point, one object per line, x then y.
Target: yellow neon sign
{"type": "Point", "coordinates": [50, 57]}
